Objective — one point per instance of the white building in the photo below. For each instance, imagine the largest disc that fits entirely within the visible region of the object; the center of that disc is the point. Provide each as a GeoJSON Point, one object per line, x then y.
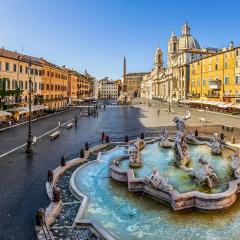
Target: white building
{"type": "Point", "coordinates": [171, 83]}
{"type": "Point", "coordinates": [107, 89]}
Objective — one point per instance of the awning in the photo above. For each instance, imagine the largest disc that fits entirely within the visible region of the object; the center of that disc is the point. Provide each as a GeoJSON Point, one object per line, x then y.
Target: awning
{"type": "Point", "coordinates": [4, 113]}
{"type": "Point", "coordinates": [22, 110]}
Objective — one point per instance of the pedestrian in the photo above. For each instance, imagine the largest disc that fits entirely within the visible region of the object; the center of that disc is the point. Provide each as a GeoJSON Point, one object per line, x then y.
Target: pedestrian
{"type": "Point", "coordinates": [59, 124]}
{"type": "Point", "coordinates": [158, 111]}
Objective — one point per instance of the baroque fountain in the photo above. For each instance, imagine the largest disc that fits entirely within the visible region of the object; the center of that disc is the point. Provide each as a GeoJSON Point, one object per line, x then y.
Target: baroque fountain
{"type": "Point", "coordinates": [140, 189]}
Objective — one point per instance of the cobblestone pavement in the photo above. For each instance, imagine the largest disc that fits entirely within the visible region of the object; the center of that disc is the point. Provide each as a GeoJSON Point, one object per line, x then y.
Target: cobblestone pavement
{"type": "Point", "coordinates": [23, 177]}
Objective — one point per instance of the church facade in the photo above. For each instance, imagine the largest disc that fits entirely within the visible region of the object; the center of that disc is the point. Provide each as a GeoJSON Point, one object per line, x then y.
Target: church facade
{"type": "Point", "coordinates": [171, 83]}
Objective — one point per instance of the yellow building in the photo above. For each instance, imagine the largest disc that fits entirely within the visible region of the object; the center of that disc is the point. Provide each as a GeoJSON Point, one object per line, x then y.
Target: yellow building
{"type": "Point", "coordinates": [14, 68]}
{"type": "Point", "coordinates": [73, 77]}
{"type": "Point", "coordinates": [54, 85]}
{"type": "Point", "coordinates": [216, 77]}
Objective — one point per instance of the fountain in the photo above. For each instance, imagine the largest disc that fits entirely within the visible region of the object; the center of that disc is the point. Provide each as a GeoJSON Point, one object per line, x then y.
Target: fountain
{"type": "Point", "coordinates": [185, 171]}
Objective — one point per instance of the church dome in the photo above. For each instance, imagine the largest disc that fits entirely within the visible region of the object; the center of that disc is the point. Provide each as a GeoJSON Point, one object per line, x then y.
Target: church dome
{"type": "Point", "coordinates": [186, 41]}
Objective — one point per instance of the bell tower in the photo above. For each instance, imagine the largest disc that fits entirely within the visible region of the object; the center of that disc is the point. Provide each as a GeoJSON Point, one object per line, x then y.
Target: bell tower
{"type": "Point", "coordinates": [172, 48]}
{"type": "Point", "coordinates": [158, 61]}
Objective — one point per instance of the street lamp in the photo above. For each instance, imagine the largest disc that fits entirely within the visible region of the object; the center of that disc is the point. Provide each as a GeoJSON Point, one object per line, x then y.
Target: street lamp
{"type": "Point", "coordinates": [169, 104]}
{"type": "Point", "coordinates": [29, 149]}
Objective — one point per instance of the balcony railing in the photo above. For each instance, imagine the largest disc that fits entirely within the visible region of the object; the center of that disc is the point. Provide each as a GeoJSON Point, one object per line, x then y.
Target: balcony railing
{"type": "Point", "coordinates": [215, 84]}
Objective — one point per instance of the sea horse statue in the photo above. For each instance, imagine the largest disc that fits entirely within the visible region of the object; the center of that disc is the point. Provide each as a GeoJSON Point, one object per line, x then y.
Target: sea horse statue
{"type": "Point", "coordinates": [204, 173]}
{"type": "Point", "coordinates": [157, 181]}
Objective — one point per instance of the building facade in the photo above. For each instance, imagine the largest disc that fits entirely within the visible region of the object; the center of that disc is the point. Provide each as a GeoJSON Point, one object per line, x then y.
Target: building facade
{"type": "Point", "coordinates": [171, 83]}
{"type": "Point", "coordinates": [15, 71]}
{"type": "Point", "coordinates": [133, 84]}
{"type": "Point", "coordinates": [216, 77]}
{"type": "Point", "coordinates": [54, 85]}
{"type": "Point", "coordinates": [107, 89]}
{"type": "Point", "coordinates": [73, 77]}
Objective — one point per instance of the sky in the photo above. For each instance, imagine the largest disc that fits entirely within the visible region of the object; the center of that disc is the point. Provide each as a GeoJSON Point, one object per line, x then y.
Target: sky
{"type": "Point", "coordinates": [96, 34]}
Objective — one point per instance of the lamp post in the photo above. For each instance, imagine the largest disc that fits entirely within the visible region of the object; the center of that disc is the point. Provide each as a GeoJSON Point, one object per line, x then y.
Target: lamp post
{"type": "Point", "coordinates": [29, 149]}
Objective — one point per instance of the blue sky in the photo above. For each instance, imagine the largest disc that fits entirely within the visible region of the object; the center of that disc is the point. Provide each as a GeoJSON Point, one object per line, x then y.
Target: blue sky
{"type": "Point", "coordinates": [96, 34]}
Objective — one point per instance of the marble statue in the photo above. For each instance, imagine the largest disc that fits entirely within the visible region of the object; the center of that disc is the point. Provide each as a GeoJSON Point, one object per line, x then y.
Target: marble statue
{"type": "Point", "coordinates": [235, 164]}
{"type": "Point", "coordinates": [204, 174]}
{"type": "Point", "coordinates": [181, 122]}
{"type": "Point", "coordinates": [216, 148]}
{"type": "Point", "coordinates": [157, 181]}
{"type": "Point", "coordinates": [181, 150]}
{"type": "Point", "coordinates": [135, 160]}
{"type": "Point", "coordinates": [164, 142]}
{"type": "Point", "coordinates": [191, 139]}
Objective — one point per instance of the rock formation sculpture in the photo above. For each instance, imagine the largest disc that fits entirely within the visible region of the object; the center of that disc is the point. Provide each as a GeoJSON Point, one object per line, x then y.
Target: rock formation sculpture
{"type": "Point", "coordinates": [164, 142]}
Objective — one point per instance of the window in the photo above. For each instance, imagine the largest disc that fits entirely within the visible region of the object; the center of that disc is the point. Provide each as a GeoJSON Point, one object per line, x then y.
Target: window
{"type": "Point", "coordinates": [14, 67]}
{"type": "Point", "coordinates": [36, 72]}
{"type": "Point", "coordinates": [26, 85]}
{"type": "Point", "coordinates": [21, 85]}
{"type": "Point", "coordinates": [204, 82]}
{"type": "Point", "coordinates": [226, 80]}
{"type": "Point", "coordinates": [216, 66]}
{"type": "Point", "coordinates": [237, 79]}
{"type": "Point", "coordinates": [8, 84]}
{"type": "Point", "coordinates": [26, 70]}
{"type": "Point", "coordinates": [226, 64]}
{"type": "Point", "coordinates": [237, 52]}
{"type": "Point", "coordinates": [7, 66]}
{"type": "Point", "coordinates": [35, 86]}
{"type": "Point", "coordinates": [198, 82]}
{"type": "Point", "coordinates": [193, 83]}
{"type": "Point", "coordinates": [21, 69]}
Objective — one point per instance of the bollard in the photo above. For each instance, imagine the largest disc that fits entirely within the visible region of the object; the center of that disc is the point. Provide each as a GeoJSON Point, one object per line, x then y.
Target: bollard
{"type": "Point", "coordinates": [50, 176]}
{"type": "Point", "coordinates": [142, 136]}
{"type": "Point", "coordinates": [222, 136]}
{"type": "Point", "coordinates": [63, 161]}
{"type": "Point", "coordinates": [86, 146]}
{"type": "Point", "coordinates": [107, 139]}
{"type": "Point", "coordinates": [56, 194]}
{"type": "Point", "coordinates": [103, 137]}
{"type": "Point", "coordinates": [126, 138]}
{"type": "Point", "coordinates": [196, 133]}
{"type": "Point", "coordinates": [39, 217]}
{"type": "Point", "coordinates": [82, 153]}
{"type": "Point", "coordinates": [233, 140]}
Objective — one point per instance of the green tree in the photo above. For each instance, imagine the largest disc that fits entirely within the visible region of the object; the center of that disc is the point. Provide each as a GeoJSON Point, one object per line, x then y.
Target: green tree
{"type": "Point", "coordinates": [7, 93]}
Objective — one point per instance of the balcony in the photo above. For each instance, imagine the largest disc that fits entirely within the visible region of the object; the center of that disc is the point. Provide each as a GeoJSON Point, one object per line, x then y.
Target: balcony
{"type": "Point", "coordinates": [215, 84]}
{"type": "Point", "coordinates": [213, 95]}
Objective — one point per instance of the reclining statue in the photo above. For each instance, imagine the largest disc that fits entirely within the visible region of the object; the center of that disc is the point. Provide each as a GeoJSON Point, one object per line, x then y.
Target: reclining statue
{"type": "Point", "coordinates": [191, 139]}
{"type": "Point", "coordinates": [157, 181]}
{"type": "Point", "coordinates": [216, 148]}
{"type": "Point", "coordinates": [135, 160]}
{"type": "Point", "coordinates": [204, 173]}
{"type": "Point", "coordinates": [164, 142]}
{"type": "Point", "coordinates": [235, 164]}
{"type": "Point", "coordinates": [181, 150]}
